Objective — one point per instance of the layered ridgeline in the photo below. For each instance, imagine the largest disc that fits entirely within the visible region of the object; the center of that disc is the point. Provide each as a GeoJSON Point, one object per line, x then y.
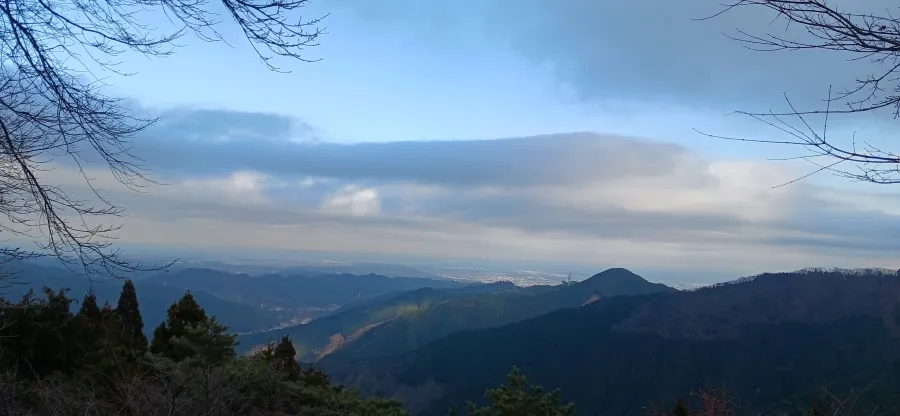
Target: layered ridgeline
{"type": "Point", "coordinates": [315, 269]}
{"type": "Point", "coordinates": [407, 321]}
{"type": "Point", "coordinates": [771, 341]}
{"type": "Point", "coordinates": [325, 335]}
{"type": "Point", "coordinates": [294, 291]}
{"type": "Point", "coordinates": [244, 303]}
{"type": "Point", "coordinates": [154, 299]}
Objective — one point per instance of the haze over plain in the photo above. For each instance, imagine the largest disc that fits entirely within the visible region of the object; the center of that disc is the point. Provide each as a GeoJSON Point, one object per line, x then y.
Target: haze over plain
{"type": "Point", "coordinates": [501, 130]}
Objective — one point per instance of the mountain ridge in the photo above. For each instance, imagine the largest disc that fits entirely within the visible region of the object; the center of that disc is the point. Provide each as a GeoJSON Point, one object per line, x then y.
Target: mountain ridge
{"type": "Point", "coordinates": [413, 330]}
{"type": "Point", "coordinates": [351, 321]}
{"type": "Point", "coordinates": [816, 327]}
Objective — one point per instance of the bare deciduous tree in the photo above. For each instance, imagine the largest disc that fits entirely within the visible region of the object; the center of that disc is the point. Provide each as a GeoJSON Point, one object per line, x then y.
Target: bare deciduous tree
{"type": "Point", "coordinates": [54, 57]}
{"type": "Point", "coordinates": [862, 36]}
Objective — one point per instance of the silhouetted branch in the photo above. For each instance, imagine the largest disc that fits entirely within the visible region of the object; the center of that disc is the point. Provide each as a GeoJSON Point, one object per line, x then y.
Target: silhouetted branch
{"type": "Point", "coordinates": [52, 107]}
{"type": "Point", "coordinates": [867, 36]}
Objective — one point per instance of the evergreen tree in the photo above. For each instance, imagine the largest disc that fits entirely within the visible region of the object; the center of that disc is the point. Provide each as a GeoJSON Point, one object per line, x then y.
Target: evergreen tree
{"type": "Point", "coordinates": [159, 344]}
{"type": "Point", "coordinates": [89, 308]}
{"type": "Point", "coordinates": [43, 335]}
{"type": "Point", "coordinates": [130, 317]}
{"type": "Point", "coordinates": [287, 357]}
{"type": "Point", "coordinates": [188, 333]}
{"type": "Point", "coordinates": [181, 315]}
{"type": "Point", "coordinates": [207, 342]}
{"type": "Point", "coordinates": [284, 356]}
{"type": "Point", "coordinates": [519, 399]}
{"type": "Point", "coordinates": [88, 323]}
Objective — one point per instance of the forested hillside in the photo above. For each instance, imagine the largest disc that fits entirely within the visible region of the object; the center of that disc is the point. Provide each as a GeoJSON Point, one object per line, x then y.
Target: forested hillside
{"type": "Point", "coordinates": [324, 335]}
{"type": "Point", "coordinates": [773, 338]}
{"type": "Point", "coordinates": [97, 361]}
{"type": "Point", "coordinates": [417, 328]}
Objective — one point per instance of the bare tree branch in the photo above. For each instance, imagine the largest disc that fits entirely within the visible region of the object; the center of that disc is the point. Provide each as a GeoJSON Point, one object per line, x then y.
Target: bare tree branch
{"type": "Point", "coordinates": [52, 107]}
{"type": "Point", "coordinates": [863, 36]}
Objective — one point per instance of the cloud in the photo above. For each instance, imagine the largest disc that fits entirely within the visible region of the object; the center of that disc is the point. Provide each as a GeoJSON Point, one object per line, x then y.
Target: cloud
{"type": "Point", "coordinates": [244, 186]}
{"type": "Point", "coordinates": [234, 143]}
{"type": "Point", "coordinates": [578, 197]}
{"type": "Point", "coordinates": [353, 200]}
{"type": "Point", "coordinates": [639, 50]}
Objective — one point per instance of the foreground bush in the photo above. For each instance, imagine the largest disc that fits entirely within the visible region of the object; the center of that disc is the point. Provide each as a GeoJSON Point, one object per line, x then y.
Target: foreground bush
{"type": "Point", "coordinates": [97, 362]}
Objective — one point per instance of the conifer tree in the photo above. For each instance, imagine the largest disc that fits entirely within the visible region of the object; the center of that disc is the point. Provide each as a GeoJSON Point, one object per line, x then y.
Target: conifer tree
{"type": "Point", "coordinates": [517, 398]}
{"type": "Point", "coordinates": [117, 354]}
{"type": "Point", "coordinates": [44, 330]}
{"type": "Point", "coordinates": [89, 308]}
{"type": "Point", "coordinates": [189, 333]}
{"type": "Point", "coordinates": [89, 330]}
{"type": "Point", "coordinates": [207, 342]}
{"type": "Point", "coordinates": [130, 317]}
{"type": "Point", "coordinates": [284, 356]}
{"type": "Point", "coordinates": [180, 315]}
{"type": "Point", "coordinates": [184, 313]}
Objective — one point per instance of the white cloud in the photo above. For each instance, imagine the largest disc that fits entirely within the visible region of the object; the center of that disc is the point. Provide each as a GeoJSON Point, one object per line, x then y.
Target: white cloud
{"type": "Point", "coordinates": [669, 208]}
{"type": "Point", "coordinates": [307, 182]}
{"type": "Point", "coordinates": [353, 200]}
{"type": "Point", "coordinates": [240, 186]}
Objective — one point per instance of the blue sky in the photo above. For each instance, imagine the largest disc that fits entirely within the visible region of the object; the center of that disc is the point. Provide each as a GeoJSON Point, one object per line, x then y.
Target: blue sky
{"type": "Point", "coordinates": [392, 80]}
{"type": "Point", "coordinates": [566, 135]}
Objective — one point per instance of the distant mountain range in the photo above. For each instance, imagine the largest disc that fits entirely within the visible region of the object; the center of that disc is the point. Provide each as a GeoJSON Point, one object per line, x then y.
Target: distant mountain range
{"type": "Point", "coordinates": [771, 340]}
{"type": "Point", "coordinates": [287, 268]}
{"type": "Point", "coordinates": [355, 268]}
{"type": "Point", "coordinates": [410, 331]}
{"type": "Point", "coordinates": [293, 291]}
{"type": "Point", "coordinates": [245, 303]}
{"type": "Point", "coordinates": [396, 323]}
{"type": "Point", "coordinates": [614, 343]}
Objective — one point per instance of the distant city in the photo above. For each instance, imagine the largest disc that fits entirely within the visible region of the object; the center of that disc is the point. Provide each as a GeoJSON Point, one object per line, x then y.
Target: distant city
{"type": "Point", "coordinates": [519, 278]}
{"type": "Point", "coordinates": [448, 270]}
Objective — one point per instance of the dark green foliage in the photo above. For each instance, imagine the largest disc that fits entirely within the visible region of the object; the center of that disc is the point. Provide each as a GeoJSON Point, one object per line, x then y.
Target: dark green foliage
{"type": "Point", "coordinates": [417, 328]}
{"type": "Point", "coordinates": [284, 356]}
{"type": "Point", "coordinates": [90, 330]}
{"type": "Point", "coordinates": [36, 335]}
{"type": "Point", "coordinates": [185, 319]}
{"type": "Point", "coordinates": [55, 362]}
{"type": "Point", "coordinates": [153, 298]}
{"type": "Point", "coordinates": [206, 342]}
{"type": "Point", "coordinates": [519, 399]}
{"type": "Point", "coordinates": [89, 308]}
{"type": "Point", "coordinates": [131, 321]}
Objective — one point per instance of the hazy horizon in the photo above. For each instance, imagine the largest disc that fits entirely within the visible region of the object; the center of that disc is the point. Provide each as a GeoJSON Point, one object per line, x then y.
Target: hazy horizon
{"type": "Point", "coordinates": [511, 133]}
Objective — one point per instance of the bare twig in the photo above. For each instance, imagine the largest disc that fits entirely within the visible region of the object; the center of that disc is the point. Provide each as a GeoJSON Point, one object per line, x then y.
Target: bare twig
{"type": "Point", "coordinates": [860, 35]}
{"type": "Point", "coordinates": [52, 107]}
